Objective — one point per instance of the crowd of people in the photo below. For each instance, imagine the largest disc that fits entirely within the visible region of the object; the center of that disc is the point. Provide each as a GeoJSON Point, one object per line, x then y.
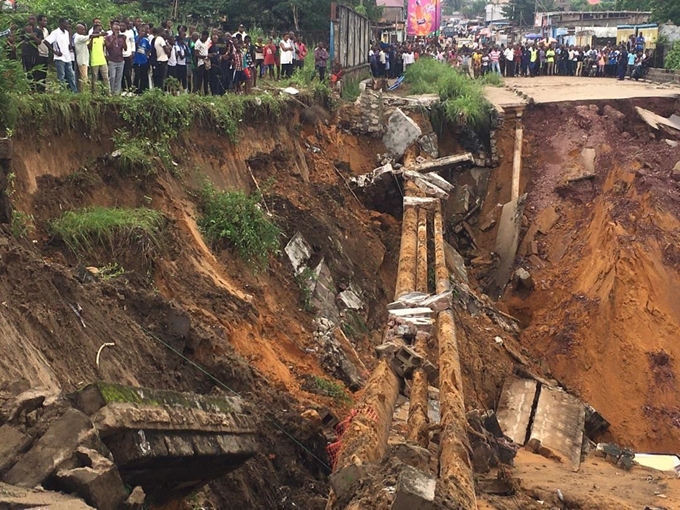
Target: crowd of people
{"type": "Point", "coordinates": [528, 59]}
{"type": "Point", "coordinates": [130, 56]}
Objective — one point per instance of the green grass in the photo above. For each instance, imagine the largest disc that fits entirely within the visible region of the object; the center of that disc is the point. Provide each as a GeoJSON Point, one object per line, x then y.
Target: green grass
{"type": "Point", "coordinates": [237, 219]}
{"type": "Point", "coordinates": [462, 98]}
{"type": "Point", "coordinates": [83, 229]}
{"type": "Point", "coordinates": [333, 390]}
{"type": "Point", "coordinates": [140, 156]}
{"type": "Point", "coordinates": [350, 89]}
{"type": "Point", "coordinates": [22, 224]}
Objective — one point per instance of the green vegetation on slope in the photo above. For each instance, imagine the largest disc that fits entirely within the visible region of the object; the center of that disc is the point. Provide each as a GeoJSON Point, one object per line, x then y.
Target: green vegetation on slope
{"type": "Point", "coordinates": [462, 98]}
{"type": "Point", "coordinates": [236, 218]}
{"type": "Point", "coordinates": [83, 229]}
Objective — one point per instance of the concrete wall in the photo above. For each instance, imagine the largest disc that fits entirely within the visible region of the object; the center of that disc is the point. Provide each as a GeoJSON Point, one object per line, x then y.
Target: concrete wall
{"type": "Point", "coordinates": [664, 75]}
{"type": "Point", "coordinates": [670, 32]}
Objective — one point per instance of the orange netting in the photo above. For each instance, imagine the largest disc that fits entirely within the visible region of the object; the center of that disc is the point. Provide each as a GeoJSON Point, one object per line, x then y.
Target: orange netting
{"type": "Point", "coordinates": [334, 448]}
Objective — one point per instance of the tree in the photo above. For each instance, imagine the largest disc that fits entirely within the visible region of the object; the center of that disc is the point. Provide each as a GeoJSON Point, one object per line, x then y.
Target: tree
{"type": "Point", "coordinates": [474, 8]}
{"type": "Point", "coordinates": [662, 10]}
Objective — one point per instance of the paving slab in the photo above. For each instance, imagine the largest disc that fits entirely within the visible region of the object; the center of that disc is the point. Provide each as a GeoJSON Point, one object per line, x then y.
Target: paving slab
{"type": "Point", "coordinates": [559, 423]}
{"type": "Point", "coordinates": [514, 408]}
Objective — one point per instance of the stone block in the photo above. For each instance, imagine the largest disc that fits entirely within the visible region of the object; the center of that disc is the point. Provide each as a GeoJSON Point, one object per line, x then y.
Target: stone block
{"type": "Point", "coordinates": [439, 302]}
{"type": "Point", "coordinates": [401, 133]}
{"type": "Point", "coordinates": [24, 403]}
{"type": "Point", "coordinates": [343, 480]}
{"type": "Point", "coordinates": [414, 490]}
{"type": "Point", "coordinates": [58, 444]}
{"type": "Point", "coordinates": [349, 299]}
{"type": "Point", "coordinates": [299, 251]}
{"type": "Point", "coordinates": [405, 360]}
{"type": "Point", "coordinates": [13, 442]}
{"type": "Point", "coordinates": [98, 483]}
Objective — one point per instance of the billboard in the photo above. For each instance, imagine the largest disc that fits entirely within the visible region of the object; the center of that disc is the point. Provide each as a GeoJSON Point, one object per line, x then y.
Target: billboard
{"type": "Point", "coordinates": [424, 17]}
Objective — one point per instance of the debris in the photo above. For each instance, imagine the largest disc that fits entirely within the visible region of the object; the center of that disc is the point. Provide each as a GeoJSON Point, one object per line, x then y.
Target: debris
{"type": "Point", "coordinates": [401, 133]}
{"type": "Point", "coordinates": [595, 423]}
{"type": "Point", "coordinates": [414, 489]}
{"type": "Point", "coordinates": [343, 480]}
{"type": "Point", "coordinates": [410, 312]}
{"type": "Point", "coordinates": [670, 126]}
{"type": "Point", "coordinates": [57, 444]}
{"type": "Point", "coordinates": [97, 482]}
{"type": "Point", "coordinates": [522, 278]}
{"type": "Point", "coordinates": [498, 340]}
{"type": "Point", "coordinates": [515, 407]}
{"type": "Point", "coordinates": [12, 443]}
{"type": "Point", "coordinates": [77, 309]}
{"type": "Point", "coordinates": [349, 299]}
{"type": "Point", "coordinates": [135, 500]}
{"type": "Point", "coordinates": [99, 351]}
{"type": "Point", "coordinates": [429, 145]}
{"type": "Point", "coordinates": [675, 173]}
{"type": "Point", "coordinates": [613, 114]}
{"type": "Point", "coordinates": [291, 90]}
{"type": "Point", "coordinates": [546, 219]}
{"type": "Point", "coordinates": [558, 424]}
{"type": "Point", "coordinates": [671, 143]}
{"type": "Point", "coordinates": [621, 457]}
{"type": "Point", "coordinates": [507, 241]}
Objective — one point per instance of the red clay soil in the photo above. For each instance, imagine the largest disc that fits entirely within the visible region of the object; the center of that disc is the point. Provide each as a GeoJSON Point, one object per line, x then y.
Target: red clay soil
{"type": "Point", "coordinates": [605, 314]}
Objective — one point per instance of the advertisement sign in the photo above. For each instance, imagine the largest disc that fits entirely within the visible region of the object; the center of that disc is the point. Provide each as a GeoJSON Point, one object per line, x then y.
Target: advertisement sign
{"type": "Point", "coordinates": [424, 17]}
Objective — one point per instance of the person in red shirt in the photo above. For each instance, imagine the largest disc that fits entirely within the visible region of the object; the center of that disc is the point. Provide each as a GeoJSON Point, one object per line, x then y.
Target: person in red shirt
{"type": "Point", "coordinates": [270, 57]}
{"type": "Point", "coordinates": [301, 52]}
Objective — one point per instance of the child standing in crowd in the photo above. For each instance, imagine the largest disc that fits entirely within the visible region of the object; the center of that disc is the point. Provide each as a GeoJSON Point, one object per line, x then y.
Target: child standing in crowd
{"type": "Point", "coordinates": [270, 58]}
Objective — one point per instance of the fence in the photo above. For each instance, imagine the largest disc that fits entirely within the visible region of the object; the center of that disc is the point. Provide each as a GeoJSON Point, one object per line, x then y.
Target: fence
{"type": "Point", "coordinates": [350, 37]}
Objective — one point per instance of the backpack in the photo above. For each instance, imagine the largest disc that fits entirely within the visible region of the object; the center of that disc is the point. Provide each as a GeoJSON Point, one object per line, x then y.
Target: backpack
{"type": "Point", "coordinates": [153, 60]}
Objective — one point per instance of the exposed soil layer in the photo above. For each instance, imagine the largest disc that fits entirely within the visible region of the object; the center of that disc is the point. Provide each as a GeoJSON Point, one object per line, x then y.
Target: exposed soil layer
{"type": "Point", "coordinates": [604, 314]}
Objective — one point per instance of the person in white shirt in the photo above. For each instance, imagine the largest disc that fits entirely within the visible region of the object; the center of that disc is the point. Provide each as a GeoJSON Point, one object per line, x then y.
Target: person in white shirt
{"type": "Point", "coordinates": [162, 49]}
{"type": "Point", "coordinates": [128, 55]}
{"type": "Point", "coordinates": [286, 47]}
{"type": "Point", "coordinates": [202, 76]}
{"type": "Point", "coordinates": [81, 41]}
{"type": "Point", "coordinates": [60, 40]}
{"type": "Point", "coordinates": [509, 61]}
{"type": "Point", "coordinates": [180, 50]}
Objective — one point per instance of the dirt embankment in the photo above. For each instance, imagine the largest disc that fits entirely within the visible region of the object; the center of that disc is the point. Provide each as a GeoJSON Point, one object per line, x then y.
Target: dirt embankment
{"type": "Point", "coordinates": [604, 314]}
{"type": "Point", "coordinates": [248, 328]}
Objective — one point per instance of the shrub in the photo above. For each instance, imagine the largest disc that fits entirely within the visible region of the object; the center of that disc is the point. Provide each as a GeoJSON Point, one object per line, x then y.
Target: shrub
{"type": "Point", "coordinates": [236, 218]}
{"type": "Point", "coordinates": [462, 98]}
{"type": "Point", "coordinates": [333, 390]}
{"type": "Point", "coordinates": [83, 229]}
{"type": "Point", "coordinates": [672, 60]}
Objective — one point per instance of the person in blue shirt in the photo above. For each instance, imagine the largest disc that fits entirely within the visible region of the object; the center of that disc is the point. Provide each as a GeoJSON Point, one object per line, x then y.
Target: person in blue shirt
{"type": "Point", "coordinates": [140, 62]}
{"type": "Point", "coordinates": [631, 63]}
{"type": "Point", "coordinates": [640, 43]}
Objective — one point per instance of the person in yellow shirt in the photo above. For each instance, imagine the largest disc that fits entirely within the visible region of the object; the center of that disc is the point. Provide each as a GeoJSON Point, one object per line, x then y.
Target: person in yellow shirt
{"type": "Point", "coordinates": [477, 62]}
{"type": "Point", "coordinates": [98, 62]}
{"type": "Point", "coordinates": [550, 58]}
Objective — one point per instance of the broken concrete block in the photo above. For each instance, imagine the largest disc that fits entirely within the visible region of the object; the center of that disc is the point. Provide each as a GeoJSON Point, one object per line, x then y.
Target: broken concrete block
{"type": "Point", "coordinates": [344, 479]}
{"type": "Point", "coordinates": [57, 445]}
{"type": "Point", "coordinates": [455, 263]}
{"type": "Point", "coordinates": [412, 455]}
{"type": "Point", "coordinates": [299, 251]}
{"type": "Point", "coordinates": [523, 278]}
{"type": "Point", "coordinates": [430, 189]}
{"type": "Point", "coordinates": [429, 144]}
{"type": "Point", "coordinates": [24, 403]}
{"type": "Point", "coordinates": [411, 312]}
{"type": "Point", "coordinates": [12, 443]}
{"type": "Point", "coordinates": [328, 419]}
{"type": "Point", "coordinates": [349, 299]}
{"type": "Point", "coordinates": [98, 483]}
{"type": "Point", "coordinates": [401, 133]}
{"type": "Point", "coordinates": [546, 219]}
{"type": "Point", "coordinates": [439, 302]}
{"type": "Point", "coordinates": [558, 424]}
{"type": "Point", "coordinates": [595, 423]}
{"type": "Point", "coordinates": [386, 349]}
{"type": "Point", "coordinates": [414, 489]}
{"type": "Point", "coordinates": [515, 406]}
{"type": "Point", "coordinates": [135, 500]}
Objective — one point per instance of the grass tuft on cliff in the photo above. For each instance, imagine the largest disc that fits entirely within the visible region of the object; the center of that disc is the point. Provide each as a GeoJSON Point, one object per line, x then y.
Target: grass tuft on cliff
{"type": "Point", "coordinates": [83, 229]}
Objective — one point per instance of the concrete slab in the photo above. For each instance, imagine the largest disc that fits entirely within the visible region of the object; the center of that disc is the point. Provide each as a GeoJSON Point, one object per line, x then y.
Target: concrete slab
{"type": "Point", "coordinates": [546, 219]}
{"type": "Point", "coordinates": [514, 408]}
{"type": "Point", "coordinates": [401, 133]}
{"type": "Point", "coordinates": [507, 241]}
{"type": "Point", "coordinates": [298, 251]}
{"type": "Point", "coordinates": [559, 89]}
{"type": "Point", "coordinates": [559, 423]}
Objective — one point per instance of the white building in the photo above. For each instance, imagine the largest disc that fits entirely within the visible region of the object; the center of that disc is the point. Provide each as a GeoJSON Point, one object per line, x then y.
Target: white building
{"type": "Point", "coordinates": [494, 10]}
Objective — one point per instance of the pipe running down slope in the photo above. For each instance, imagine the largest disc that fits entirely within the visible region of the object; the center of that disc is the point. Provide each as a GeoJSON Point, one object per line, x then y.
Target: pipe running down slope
{"type": "Point", "coordinates": [366, 439]}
